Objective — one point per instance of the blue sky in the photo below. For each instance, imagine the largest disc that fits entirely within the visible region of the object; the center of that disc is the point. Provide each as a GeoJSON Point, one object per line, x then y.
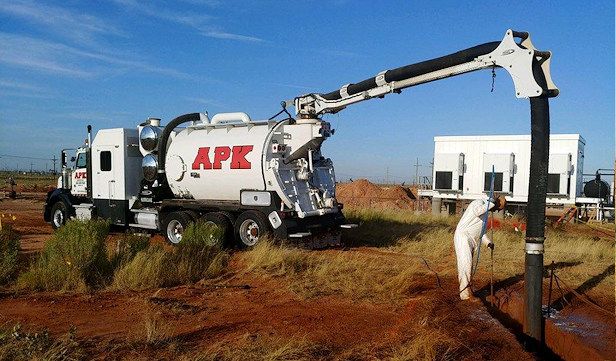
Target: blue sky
{"type": "Point", "coordinates": [67, 64]}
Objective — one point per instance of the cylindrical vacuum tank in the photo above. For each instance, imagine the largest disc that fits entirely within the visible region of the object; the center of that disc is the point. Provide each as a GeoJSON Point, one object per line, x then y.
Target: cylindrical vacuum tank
{"type": "Point", "coordinates": [217, 162]}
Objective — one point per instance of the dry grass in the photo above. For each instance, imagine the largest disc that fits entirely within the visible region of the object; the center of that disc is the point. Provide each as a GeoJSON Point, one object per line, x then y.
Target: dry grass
{"type": "Point", "coordinates": [266, 348]}
{"type": "Point", "coordinates": [142, 272]}
{"type": "Point", "coordinates": [156, 330]}
{"type": "Point", "coordinates": [157, 267]}
{"type": "Point", "coordinates": [427, 344]}
{"type": "Point", "coordinates": [78, 259]}
{"type": "Point", "coordinates": [126, 248]}
{"type": "Point", "coordinates": [74, 259]}
{"type": "Point", "coordinates": [29, 181]}
{"type": "Point", "coordinates": [16, 344]}
{"type": "Point", "coordinates": [437, 331]}
{"type": "Point", "coordinates": [352, 275]}
{"type": "Point", "coordinates": [9, 250]}
{"type": "Point", "coordinates": [382, 228]}
{"type": "Point", "coordinates": [583, 261]}
{"type": "Point", "coordinates": [192, 260]}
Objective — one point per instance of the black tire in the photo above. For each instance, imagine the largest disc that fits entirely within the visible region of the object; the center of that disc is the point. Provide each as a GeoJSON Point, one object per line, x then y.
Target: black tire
{"type": "Point", "coordinates": [250, 227]}
{"type": "Point", "coordinates": [193, 215]}
{"type": "Point", "coordinates": [174, 225]}
{"type": "Point", "coordinates": [221, 220]}
{"type": "Point", "coordinates": [59, 214]}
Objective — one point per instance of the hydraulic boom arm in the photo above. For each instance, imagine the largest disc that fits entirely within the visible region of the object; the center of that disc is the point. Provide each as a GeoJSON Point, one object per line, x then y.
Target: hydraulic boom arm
{"type": "Point", "coordinates": [516, 58]}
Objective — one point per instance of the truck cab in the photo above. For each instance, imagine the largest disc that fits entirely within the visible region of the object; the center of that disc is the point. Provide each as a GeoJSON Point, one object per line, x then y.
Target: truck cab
{"type": "Point", "coordinates": [98, 181]}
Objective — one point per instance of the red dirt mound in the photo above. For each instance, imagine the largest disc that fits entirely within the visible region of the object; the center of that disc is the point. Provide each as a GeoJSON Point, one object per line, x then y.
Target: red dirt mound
{"type": "Point", "coordinates": [363, 194]}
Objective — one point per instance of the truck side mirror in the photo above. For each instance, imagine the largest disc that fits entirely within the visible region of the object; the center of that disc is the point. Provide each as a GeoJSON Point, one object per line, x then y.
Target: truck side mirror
{"type": "Point", "coordinates": [63, 158]}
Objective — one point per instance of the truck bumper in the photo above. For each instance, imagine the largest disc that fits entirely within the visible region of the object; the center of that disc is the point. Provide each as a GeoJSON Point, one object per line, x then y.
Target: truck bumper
{"type": "Point", "coordinates": [312, 232]}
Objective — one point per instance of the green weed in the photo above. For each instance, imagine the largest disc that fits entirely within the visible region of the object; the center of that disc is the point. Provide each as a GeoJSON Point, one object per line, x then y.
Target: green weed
{"type": "Point", "coordinates": [74, 259]}
{"type": "Point", "coordinates": [9, 250]}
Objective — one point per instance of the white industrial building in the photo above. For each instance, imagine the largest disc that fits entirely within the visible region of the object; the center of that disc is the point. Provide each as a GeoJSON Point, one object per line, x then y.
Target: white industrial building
{"type": "Point", "coordinates": [463, 167]}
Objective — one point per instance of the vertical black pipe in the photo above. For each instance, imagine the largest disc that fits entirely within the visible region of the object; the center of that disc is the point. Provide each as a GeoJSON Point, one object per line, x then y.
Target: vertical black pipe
{"type": "Point", "coordinates": [89, 174]}
{"type": "Point", "coordinates": [535, 230]}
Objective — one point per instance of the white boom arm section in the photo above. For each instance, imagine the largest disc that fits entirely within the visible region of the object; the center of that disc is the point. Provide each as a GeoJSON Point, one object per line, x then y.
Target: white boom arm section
{"type": "Point", "coordinates": [516, 58]}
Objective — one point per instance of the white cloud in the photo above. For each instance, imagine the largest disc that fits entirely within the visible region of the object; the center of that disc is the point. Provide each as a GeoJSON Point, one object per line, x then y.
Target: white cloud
{"type": "Point", "coordinates": [192, 20]}
{"type": "Point", "coordinates": [17, 89]}
{"type": "Point", "coordinates": [56, 58]}
{"type": "Point", "coordinates": [39, 55]}
{"type": "Point", "coordinates": [205, 101]}
{"type": "Point", "coordinates": [76, 26]}
{"type": "Point", "coordinates": [231, 36]}
{"type": "Point", "coordinates": [11, 84]}
{"type": "Point", "coordinates": [201, 22]}
{"type": "Point", "coordinates": [23, 94]}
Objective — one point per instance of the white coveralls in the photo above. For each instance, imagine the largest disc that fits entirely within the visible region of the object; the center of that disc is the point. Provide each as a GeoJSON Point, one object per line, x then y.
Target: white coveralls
{"type": "Point", "coordinates": [465, 240]}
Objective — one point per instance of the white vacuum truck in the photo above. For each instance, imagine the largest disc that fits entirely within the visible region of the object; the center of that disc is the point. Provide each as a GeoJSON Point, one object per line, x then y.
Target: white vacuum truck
{"type": "Point", "coordinates": [252, 178]}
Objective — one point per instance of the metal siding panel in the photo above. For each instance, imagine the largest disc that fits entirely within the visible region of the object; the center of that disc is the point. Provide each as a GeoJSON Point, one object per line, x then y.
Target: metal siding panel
{"type": "Point", "coordinates": [473, 148]}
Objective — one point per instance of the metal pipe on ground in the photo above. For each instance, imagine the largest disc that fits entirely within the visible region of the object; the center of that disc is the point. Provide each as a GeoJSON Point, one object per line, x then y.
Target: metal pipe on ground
{"type": "Point", "coordinates": [535, 231]}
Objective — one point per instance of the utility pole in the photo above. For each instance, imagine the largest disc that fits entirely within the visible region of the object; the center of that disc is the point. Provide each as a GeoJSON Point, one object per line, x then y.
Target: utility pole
{"type": "Point", "coordinates": [417, 165]}
{"type": "Point", "coordinates": [387, 176]}
{"type": "Point", "coordinates": [31, 167]}
{"type": "Point", "coordinates": [54, 159]}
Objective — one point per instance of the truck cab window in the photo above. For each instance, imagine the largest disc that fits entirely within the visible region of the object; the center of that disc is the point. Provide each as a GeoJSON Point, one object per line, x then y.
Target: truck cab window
{"type": "Point", "coordinates": [105, 161]}
{"type": "Point", "coordinates": [81, 161]}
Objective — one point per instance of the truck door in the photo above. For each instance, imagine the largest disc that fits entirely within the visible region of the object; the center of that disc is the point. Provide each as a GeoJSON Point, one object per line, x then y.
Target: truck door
{"type": "Point", "coordinates": [79, 181]}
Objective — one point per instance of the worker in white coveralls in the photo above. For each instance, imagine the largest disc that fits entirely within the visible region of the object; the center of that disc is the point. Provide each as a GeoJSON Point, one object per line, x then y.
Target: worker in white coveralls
{"type": "Point", "coordinates": [466, 239]}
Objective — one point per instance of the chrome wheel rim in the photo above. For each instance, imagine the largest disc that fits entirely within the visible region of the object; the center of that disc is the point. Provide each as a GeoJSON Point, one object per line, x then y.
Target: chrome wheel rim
{"type": "Point", "coordinates": [175, 231]}
{"type": "Point", "coordinates": [249, 232]}
{"type": "Point", "coordinates": [212, 239]}
{"type": "Point", "coordinates": [58, 218]}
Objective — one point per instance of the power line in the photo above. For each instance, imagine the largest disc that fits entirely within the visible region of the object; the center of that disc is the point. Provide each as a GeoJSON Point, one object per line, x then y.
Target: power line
{"type": "Point", "coordinates": [23, 157]}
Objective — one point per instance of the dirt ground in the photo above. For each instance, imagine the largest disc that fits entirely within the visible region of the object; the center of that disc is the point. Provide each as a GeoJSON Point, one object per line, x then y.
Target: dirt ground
{"type": "Point", "coordinates": [114, 324]}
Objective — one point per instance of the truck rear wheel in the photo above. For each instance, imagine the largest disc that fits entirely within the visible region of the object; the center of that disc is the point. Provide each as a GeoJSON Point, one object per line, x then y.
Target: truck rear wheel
{"type": "Point", "coordinates": [59, 215]}
{"type": "Point", "coordinates": [174, 226]}
{"type": "Point", "coordinates": [250, 228]}
{"type": "Point", "coordinates": [220, 220]}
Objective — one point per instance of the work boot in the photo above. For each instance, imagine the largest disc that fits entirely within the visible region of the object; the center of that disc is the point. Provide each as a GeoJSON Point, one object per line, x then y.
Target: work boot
{"type": "Point", "coordinates": [466, 294]}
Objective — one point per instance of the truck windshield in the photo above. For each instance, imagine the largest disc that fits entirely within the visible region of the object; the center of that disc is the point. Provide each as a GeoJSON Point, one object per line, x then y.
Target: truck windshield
{"type": "Point", "coordinates": [81, 160]}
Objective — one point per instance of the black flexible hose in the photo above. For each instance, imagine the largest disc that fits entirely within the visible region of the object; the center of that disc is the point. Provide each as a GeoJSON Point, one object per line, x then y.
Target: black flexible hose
{"type": "Point", "coordinates": [537, 189]}
{"type": "Point", "coordinates": [424, 67]}
{"type": "Point", "coordinates": [162, 145]}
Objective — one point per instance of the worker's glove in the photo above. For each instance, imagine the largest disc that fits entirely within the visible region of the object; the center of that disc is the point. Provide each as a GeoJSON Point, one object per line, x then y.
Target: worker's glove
{"type": "Point", "coordinates": [491, 245]}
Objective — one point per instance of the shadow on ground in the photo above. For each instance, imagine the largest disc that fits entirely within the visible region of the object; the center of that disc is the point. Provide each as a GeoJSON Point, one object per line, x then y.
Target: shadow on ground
{"type": "Point", "coordinates": [379, 232]}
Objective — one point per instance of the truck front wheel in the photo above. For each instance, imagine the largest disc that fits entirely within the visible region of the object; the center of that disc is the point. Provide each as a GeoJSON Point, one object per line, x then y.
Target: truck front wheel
{"type": "Point", "coordinates": [174, 226]}
{"type": "Point", "coordinates": [59, 215]}
{"type": "Point", "coordinates": [250, 228]}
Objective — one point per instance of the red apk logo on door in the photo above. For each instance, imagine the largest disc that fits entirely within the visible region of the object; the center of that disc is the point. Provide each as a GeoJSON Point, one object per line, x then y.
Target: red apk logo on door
{"type": "Point", "coordinates": [221, 154]}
